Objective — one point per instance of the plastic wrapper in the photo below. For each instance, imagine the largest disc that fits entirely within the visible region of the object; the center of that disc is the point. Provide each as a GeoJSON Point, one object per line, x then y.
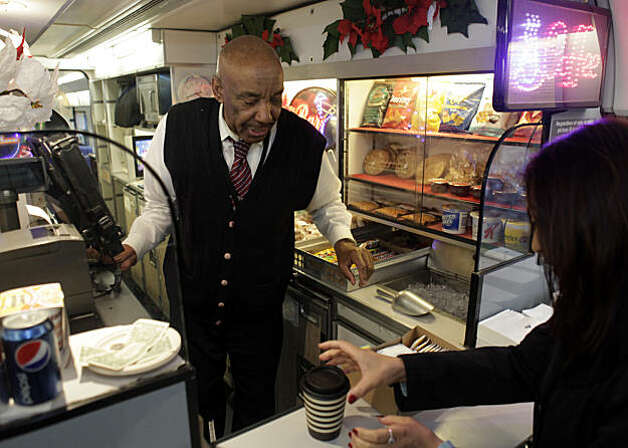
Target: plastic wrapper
{"type": "Point", "coordinates": [489, 122]}
{"type": "Point", "coordinates": [401, 106]}
{"type": "Point", "coordinates": [461, 105]}
{"type": "Point", "coordinates": [376, 105]}
{"type": "Point", "coordinates": [529, 116]}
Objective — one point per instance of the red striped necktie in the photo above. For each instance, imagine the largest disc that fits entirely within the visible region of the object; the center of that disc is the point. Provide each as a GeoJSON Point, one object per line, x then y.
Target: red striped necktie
{"type": "Point", "coordinates": [240, 173]}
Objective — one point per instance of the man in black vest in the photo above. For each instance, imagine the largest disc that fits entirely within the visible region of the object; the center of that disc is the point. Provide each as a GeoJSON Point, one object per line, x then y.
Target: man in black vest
{"type": "Point", "coordinates": [239, 167]}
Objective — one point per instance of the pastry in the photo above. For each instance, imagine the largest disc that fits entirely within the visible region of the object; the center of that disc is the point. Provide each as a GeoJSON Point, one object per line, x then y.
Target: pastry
{"type": "Point", "coordinates": [434, 167]}
{"type": "Point", "coordinates": [423, 219]}
{"type": "Point", "coordinates": [391, 212]}
{"type": "Point", "coordinates": [366, 206]}
{"type": "Point", "coordinates": [376, 161]}
{"type": "Point", "coordinates": [406, 164]}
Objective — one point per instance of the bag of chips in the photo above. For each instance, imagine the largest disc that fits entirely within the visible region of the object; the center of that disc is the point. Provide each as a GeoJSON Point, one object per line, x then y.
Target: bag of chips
{"type": "Point", "coordinates": [401, 105]}
{"type": "Point", "coordinates": [487, 121]}
{"type": "Point", "coordinates": [529, 116]}
{"type": "Point", "coordinates": [376, 105]}
{"type": "Point", "coordinates": [463, 100]}
{"type": "Point", "coordinates": [428, 107]}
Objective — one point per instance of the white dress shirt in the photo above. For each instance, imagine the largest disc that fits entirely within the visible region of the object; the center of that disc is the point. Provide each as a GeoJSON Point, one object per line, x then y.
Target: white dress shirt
{"type": "Point", "coordinates": [328, 212]}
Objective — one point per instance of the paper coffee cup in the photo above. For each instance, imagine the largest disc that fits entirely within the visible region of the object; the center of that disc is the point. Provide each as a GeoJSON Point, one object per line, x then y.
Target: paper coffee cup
{"type": "Point", "coordinates": [324, 391]}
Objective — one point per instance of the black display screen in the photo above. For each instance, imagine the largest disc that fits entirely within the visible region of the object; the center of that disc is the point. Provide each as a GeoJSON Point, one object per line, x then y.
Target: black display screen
{"type": "Point", "coordinates": [23, 175]}
{"type": "Point", "coordinates": [551, 54]}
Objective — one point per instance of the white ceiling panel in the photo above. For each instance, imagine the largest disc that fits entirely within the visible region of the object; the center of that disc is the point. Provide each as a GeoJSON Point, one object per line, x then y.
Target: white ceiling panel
{"type": "Point", "coordinates": [34, 17]}
{"type": "Point", "coordinates": [55, 36]}
{"type": "Point", "coordinates": [216, 15]}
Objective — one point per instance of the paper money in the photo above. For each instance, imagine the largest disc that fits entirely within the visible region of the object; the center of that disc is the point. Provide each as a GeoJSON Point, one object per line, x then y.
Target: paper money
{"type": "Point", "coordinates": [87, 352]}
{"type": "Point", "coordinates": [157, 350]}
{"type": "Point", "coordinates": [147, 331]}
{"type": "Point", "coordinates": [120, 359]}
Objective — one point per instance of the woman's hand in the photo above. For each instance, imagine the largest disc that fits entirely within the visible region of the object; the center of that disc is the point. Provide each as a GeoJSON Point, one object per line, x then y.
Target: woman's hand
{"type": "Point", "coordinates": [406, 433]}
{"type": "Point", "coordinates": [377, 370]}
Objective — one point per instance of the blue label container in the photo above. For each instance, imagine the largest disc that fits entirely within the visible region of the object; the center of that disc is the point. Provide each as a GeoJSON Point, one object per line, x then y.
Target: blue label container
{"type": "Point", "coordinates": [32, 357]}
{"type": "Point", "coordinates": [455, 218]}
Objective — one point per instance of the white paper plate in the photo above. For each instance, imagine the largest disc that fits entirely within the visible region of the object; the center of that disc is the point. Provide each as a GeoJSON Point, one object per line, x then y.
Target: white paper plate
{"type": "Point", "coordinates": [120, 336]}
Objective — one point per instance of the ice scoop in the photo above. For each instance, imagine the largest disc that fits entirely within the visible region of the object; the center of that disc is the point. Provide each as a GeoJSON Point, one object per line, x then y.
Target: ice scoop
{"type": "Point", "coordinates": [405, 302]}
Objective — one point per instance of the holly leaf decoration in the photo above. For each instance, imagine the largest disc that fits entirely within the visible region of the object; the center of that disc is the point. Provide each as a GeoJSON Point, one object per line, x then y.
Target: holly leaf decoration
{"type": "Point", "coordinates": [331, 45]}
{"type": "Point", "coordinates": [353, 49]}
{"type": "Point", "coordinates": [459, 14]}
{"type": "Point", "coordinates": [332, 29]}
{"type": "Point", "coordinates": [254, 24]}
{"type": "Point", "coordinates": [352, 10]}
{"type": "Point", "coordinates": [286, 52]}
{"type": "Point", "coordinates": [423, 33]}
{"type": "Point", "coordinates": [269, 24]}
{"type": "Point", "coordinates": [237, 31]}
{"type": "Point", "coordinates": [407, 40]}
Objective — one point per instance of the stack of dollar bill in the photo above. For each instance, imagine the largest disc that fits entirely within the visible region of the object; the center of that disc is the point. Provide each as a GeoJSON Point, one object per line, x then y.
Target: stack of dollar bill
{"type": "Point", "coordinates": [141, 343]}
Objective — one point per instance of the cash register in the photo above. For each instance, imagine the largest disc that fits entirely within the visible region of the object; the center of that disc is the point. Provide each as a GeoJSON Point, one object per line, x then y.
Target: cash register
{"type": "Point", "coordinates": [55, 252]}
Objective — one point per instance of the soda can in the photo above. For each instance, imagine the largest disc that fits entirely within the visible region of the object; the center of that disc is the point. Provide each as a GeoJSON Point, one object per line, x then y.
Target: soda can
{"type": "Point", "coordinates": [32, 357]}
{"type": "Point", "coordinates": [4, 386]}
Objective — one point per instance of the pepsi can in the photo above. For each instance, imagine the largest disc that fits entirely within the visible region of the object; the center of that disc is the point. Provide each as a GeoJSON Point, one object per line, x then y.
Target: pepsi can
{"type": "Point", "coordinates": [32, 357]}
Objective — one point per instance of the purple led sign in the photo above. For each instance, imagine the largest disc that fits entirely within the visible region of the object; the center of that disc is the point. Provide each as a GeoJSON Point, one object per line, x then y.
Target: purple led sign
{"type": "Point", "coordinates": [550, 54]}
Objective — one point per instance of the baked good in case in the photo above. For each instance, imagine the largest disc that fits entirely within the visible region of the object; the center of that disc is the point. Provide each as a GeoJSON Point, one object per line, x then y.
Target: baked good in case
{"type": "Point", "coordinates": [406, 164]}
{"type": "Point", "coordinates": [423, 219]}
{"type": "Point", "coordinates": [435, 167]}
{"type": "Point", "coordinates": [367, 206]}
{"type": "Point", "coordinates": [391, 212]}
{"type": "Point", "coordinates": [376, 161]}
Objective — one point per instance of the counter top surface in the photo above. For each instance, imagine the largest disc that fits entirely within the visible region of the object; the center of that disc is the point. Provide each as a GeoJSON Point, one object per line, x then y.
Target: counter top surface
{"type": "Point", "coordinates": [81, 385]}
{"type": "Point", "coordinates": [479, 426]}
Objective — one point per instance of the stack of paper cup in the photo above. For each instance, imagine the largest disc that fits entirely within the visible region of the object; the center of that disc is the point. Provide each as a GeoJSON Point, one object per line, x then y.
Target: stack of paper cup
{"type": "Point", "coordinates": [324, 390]}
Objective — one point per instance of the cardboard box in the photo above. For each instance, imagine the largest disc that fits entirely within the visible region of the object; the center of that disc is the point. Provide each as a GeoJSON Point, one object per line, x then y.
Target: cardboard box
{"type": "Point", "coordinates": [383, 398]}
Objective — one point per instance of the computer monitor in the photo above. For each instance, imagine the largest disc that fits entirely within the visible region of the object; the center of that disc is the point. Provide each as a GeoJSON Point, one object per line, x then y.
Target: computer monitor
{"type": "Point", "coordinates": [141, 143]}
{"type": "Point", "coordinates": [551, 54]}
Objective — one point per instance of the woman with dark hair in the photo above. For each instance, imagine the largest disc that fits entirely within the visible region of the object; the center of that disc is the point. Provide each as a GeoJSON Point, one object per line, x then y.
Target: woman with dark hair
{"type": "Point", "coordinates": [575, 366]}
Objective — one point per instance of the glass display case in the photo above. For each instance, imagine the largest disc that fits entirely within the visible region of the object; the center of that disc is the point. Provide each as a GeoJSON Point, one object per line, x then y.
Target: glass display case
{"type": "Point", "coordinates": [430, 155]}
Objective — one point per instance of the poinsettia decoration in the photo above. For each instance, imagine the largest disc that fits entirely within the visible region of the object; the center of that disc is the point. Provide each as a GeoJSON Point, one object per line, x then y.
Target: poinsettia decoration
{"type": "Point", "coordinates": [381, 24]}
{"type": "Point", "coordinates": [262, 26]}
{"type": "Point", "coordinates": [27, 89]}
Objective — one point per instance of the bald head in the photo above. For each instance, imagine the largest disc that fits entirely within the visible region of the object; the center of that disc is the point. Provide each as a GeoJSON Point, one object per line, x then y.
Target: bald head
{"type": "Point", "coordinates": [249, 84]}
{"type": "Point", "coordinates": [244, 52]}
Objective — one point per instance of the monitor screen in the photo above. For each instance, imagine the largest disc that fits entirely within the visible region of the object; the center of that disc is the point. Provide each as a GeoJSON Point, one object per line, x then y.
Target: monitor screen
{"type": "Point", "coordinates": [140, 147]}
{"type": "Point", "coordinates": [551, 54]}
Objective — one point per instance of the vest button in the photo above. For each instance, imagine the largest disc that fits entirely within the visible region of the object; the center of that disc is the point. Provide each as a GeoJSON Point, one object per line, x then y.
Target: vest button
{"type": "Point", "coordinates": [218, 322]}
{"type": "Point", "coordinates": [231, 224]}
{"type": "Point", "coordinates": [227, 256]}
{"type": "Point", "coordinates": [224, 282]}
{"type": "Point", "coordinates": [221, 305]}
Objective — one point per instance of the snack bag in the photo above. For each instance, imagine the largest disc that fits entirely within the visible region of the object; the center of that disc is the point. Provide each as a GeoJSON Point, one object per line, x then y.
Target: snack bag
{"type": "Point", "coordinates": [487, 121]}
{"type": "Point", "coordinates": [529, 116]}
{"type": "Point", "coordinates": [376, 104]}
{"type": "Point", "coordinates": [401, 105]}
{"type": "Point", "coordinates": [463, 100]}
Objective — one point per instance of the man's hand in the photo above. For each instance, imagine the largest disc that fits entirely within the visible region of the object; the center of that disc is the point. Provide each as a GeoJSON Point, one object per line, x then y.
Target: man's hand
{"type": "Point", "coordinates": [126, 258]}
{"type": "Point", "coordinates": [348, 254]}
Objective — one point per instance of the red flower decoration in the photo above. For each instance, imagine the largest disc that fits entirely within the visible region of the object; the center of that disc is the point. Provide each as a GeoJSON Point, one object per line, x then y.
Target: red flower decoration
{"type": "Point", "coordinates": [277, 39]}
{"type": "Point", "coordinates": [348, 28]}
{"type": "Point", "coordinates": [373, 35]}
{"type": "Point", "coordinates": [20, 48]}
{"type": "Point", "coordinates": [415, 18]}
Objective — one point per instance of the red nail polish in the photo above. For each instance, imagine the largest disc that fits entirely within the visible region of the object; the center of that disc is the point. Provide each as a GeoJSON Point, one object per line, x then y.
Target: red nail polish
{"type": "Point", "coordinates": [352, 399]}
{"type": "Point", "coordinates": [355, 431]}
{"type": "Point", "coordinates": [350, 446]}
{"type": "Point", "coordinates": [350, 434]}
